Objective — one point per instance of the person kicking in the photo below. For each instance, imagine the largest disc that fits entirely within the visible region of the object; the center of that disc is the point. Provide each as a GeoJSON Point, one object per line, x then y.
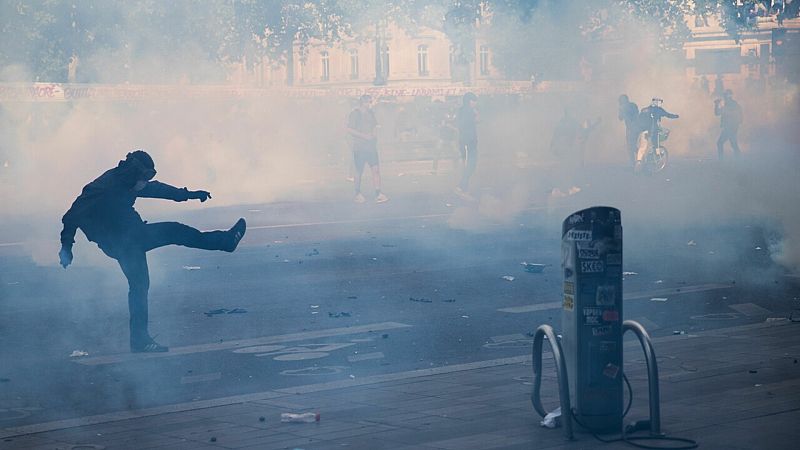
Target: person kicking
{"type": "Point", "coordinates": [104, 212]}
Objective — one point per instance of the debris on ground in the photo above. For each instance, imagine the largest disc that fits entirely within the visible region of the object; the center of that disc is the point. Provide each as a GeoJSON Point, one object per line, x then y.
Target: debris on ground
{"type": "Point", "coordinates": [420, 300]}
{"type": "Point", "coordinates": [308, 417]}
{"type": "Point", "coordinates": [465, 317]}
{"type": "Point", "coordinates": [262, 419]}
{"type": "Point", "coordinates": [659, 281]}
{"type": "Point", "coordinates": [776, 319]}
{"type": "Point", "coordinates": [215, 312]}
{"type": "Point", "coordinates": [449, 300]}
{"type": "Point", "coordinates": [552, 419]}
{"type": "Point", "coordinates": [532, 267]}
{"type": "Point", "coordinates": [658, 299]}
{"type": "Point", "coordinates": [758, 248]}
{"type": "Point", "coordinates": [313, 253]}
{"type": "Point", "coordinates": [691, 243]}
{"type": "Point", "coordinates": [78, 354]}
{"type": "Point", "coordinates": [191, 267]}
{"type": "Point", "coordinates": [508, 278]}
{"type": "Point", "coordinates": [625, 274]}
{"type": "Point", "coordinates": [385, 336]}
{"type": "Point", "coordinates": [678, 332]}
{"type": "Point", "coordinates": [339, 314]}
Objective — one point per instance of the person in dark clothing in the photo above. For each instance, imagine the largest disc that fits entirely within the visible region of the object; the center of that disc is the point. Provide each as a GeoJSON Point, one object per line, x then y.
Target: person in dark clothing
{"type": "Point", "coordinates": [730, 115]}
{"type": "Point", "coordinates": [467, 123]}
{"type": "Point", "coordinates": [629, 112]}
{"type": "Point", "coordinates": [648, 125]}
{"type": "Point", "coordinates": [104, 212]}
{"type": "Point", "coordinates": [362, 128]}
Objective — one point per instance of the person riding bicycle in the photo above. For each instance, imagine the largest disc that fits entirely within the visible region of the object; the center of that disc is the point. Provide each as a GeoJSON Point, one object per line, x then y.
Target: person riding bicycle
{"type": "Point", "coordinates": [649, 124]}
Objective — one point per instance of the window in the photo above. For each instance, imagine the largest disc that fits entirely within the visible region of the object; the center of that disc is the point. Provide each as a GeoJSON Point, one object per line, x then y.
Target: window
{"type": "Point", "coordinates": [326, 66]}
{"type": "Point", "coordinates": [385, 58]}
{"type": "Point", "coordinates": [353, 64]}
{"type": "Point", "coordinates": [422, 60]}
{"type": "Point", "coordinates": [484, 52]}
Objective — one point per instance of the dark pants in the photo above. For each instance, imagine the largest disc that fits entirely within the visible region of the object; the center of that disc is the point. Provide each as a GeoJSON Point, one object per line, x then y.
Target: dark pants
{"type": "Point", "coordinates": [469, 155]}
{"type": "Point", "coordinates": [631, 138]}
{"type": "Point", "coordinates": [362, 157]}
{"type": "Point", "coordinates": [130, 252]}
{"type": "Point", "coordinates": [728, 134]}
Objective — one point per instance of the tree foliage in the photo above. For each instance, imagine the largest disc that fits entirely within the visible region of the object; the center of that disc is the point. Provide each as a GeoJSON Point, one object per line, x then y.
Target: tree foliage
{"type": "Point", "coordinates": [148, 40]}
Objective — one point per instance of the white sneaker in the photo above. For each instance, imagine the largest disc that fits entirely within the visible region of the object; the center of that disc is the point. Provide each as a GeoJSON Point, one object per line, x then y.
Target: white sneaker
{"type": "Point", "coordinates": [381, 198]}
{"type": "Point", "coordinates": [359, 198]}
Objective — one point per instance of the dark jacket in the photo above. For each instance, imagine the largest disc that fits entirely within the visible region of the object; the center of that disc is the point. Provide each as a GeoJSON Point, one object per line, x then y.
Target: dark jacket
{"type": "Point", "coordinates": [730, 114]}
{"type": "Point", "coordinates": [467, 122]}
{"type": "Point", "coordinates": [650, 117]}
{"type": "Point", "coordinates": [104, 210]}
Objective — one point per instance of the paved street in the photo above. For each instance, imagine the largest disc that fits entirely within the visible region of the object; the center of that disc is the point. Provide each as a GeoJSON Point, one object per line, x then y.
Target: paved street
{"type": "Point", "coordinates": [410, 321]}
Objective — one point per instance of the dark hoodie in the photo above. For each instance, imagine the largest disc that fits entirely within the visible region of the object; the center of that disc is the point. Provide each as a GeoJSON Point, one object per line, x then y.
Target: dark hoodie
{"type": "Point", "coordinates": [104, 210]}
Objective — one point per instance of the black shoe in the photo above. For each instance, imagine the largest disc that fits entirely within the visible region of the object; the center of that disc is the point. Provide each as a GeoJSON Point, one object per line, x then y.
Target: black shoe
{"type": "Point", "coordinates": [148, 346]}
{"type": "Point", "coordinates": [236, 234]}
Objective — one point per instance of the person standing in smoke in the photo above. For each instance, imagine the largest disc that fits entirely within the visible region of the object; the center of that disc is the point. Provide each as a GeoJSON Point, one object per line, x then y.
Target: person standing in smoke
{"type": "Point", "coordinates": [467, 123]}
{"type": "Point", "coordinates": [362, 127]}
{"type": "Point", "coordinates": [104, 212]}
{"type": "Point", "coordinates": [628, 112]}
{"type": "Point", "coordinates": [648, 126]}
{"type": "Point", "coordinates": [730, 115]}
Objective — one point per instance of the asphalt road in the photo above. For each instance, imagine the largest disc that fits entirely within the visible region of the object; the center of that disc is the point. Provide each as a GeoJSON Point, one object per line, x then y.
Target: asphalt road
{"type": "Point", "coordinates": [324, 291]}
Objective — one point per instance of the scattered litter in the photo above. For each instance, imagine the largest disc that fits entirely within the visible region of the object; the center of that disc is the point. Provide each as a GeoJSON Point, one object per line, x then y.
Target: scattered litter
{"type": "Point", "coordinates": [532, 267]}
{"type": "Point", "coordinates": [339, 314]}
{"type": "Point", "coordinates": [465, 317]}
{"type": "Point", "coordinates": [374, 259]}
{"type": "Point", "coordinates": [385, 335]}
{"type": "Point", "coordinates": [13, 283]}
{"type": "Point", "coordinates": [215, 312]}
{"type": "Point", "coordinates": [191, 267]}
{"type": "Point", "coordinates": [448, 205]}
{"type": "Point", "coordinates": [313, 253]}
{"type": "Point", "coordinates": [285, 260]}
{"type": "Point", "coordinates": [213, 439]}
{"type": "Point", "coordinates": [659, 281]}
{"type": "Point", "coordinates": [776, 319]}
{"type": "Point", "coordinates": [658, 299]}
{"type": "Point", "coordinates": [253, 210]}
{"type": "Point", "coordinates": [449, 300]}
{"type": "Point", "coordinates": [277, 242]}
{"type": "Point", "coordinates": [314, 306]}
{"type": "Point", "coordinates": [508, 278]}
{"type": "Point", "coordinates": [353, 377]}
{"type": "Point", "coordinates": [78, 354]}
{"type": "Point", "coordinates": [552, 419]}
{"type": "Point", "coordinates": [262, 419]}
{"type": "Point", "coordinates": [308, 417]}
{"type": "Point", "coordinates": [757, 385]}
{"type": "Point", "coordinates": [753, 371]}
{"type": "Point", "coordinates": [691, 243]}
{"type": "Point", "coordinates": [678, 332]}
{"type": "Point", "coordinates": [624, 274]}
{"type": "Point", "coordinates": [314, 312]}
{"type": "Point", "coordinates": [420, 300]}
{"type": "Point", "coordinates": [711, 252]}
{"type": "Point", "coordinates": [758, 248]}
{"type": "Point", "coordinates": [401, 174]}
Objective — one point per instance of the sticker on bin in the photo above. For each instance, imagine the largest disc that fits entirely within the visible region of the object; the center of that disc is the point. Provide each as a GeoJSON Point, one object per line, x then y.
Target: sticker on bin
{"type": "Point", "coordinates": [579, 235]}
{"type": "Point", "coordinates": [592, 266]}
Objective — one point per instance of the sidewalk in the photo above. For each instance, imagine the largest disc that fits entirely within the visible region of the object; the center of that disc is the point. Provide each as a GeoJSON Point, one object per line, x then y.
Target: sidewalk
{"type": "Point", "coordinates": [731, 388]}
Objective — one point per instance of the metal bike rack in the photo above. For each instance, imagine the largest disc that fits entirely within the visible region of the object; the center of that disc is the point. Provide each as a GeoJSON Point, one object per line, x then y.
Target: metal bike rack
{"type": "Point", "coordinates": [652, 373]}
{"type": "Point", "coordinates": [561, 373]}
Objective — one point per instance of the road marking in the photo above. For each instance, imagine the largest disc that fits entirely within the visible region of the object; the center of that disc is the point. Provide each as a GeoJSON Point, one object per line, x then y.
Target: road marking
{"type": "Point", "coordinates": [189, 379]}
{"type": "Point", "coordinates": [227, 345]}
{"type": "Point", "coordinates": [750, 309]}
{"type": "Point", "coordinates": [636, 295]}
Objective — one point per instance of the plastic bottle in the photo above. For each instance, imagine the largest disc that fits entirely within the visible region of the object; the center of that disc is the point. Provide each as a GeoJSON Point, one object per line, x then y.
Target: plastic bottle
{"type": "Point", "coordinates": [308, 417]}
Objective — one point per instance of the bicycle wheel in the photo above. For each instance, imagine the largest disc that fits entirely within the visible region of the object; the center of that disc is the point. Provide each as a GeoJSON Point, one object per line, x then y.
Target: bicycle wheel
{"type": "Point", "coordinates": [660, 158]}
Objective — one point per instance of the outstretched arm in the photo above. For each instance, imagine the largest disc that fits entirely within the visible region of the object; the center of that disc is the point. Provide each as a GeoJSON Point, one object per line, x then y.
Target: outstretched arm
{"type": "Point", "coordinates": [157, 189]}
